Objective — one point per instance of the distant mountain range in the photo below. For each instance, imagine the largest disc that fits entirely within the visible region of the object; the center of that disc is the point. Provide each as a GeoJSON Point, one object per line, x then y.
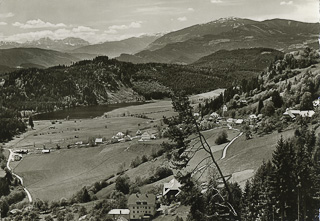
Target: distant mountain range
{"type": "Point", "coordinates": [116, 48]}
{"type": "Point", "coordinates": [17, 58]}
{"type": "Point", "coordinates": [184, 46]}
{"type": "Point", "coordinates": [66, 44]}
{"type": "Point", "coordinates": [190, 44]}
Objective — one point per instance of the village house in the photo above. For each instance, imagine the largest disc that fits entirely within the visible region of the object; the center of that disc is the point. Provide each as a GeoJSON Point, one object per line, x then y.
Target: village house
{"type": "Point", "coordinates": [142, 206]}
{"type": "Point", "coordinates": [98, 141]}
{"type": "Point", "coordinates": [239, 121]}
{"type": "Point", "coordinates": [294, 113]}
{"type": "Point", "coordinates": [120, 135]}
{"type": "Point", "coordinates": [117, 214]}
{"type": "Point", "coordinates": [145, 136]}
{"type": "Point", "coordinates": [171, 189]}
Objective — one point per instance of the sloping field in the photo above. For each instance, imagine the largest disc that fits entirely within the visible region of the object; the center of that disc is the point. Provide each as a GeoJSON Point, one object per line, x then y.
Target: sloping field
{"type": "Point", "coordinates": [245, 156]}
{"type": "Point", "coordinates": [62, 173]}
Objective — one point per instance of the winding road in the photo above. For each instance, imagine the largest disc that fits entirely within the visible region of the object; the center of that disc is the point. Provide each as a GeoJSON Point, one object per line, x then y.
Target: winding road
{"type": "Point", "coordinates": [20, 178]}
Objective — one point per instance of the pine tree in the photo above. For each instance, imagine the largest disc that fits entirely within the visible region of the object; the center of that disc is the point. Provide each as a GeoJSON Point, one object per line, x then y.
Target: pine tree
{"type": "Point", "coordinates": [283, 179]}
{"type": "Point", "coordinates": [260, 106]}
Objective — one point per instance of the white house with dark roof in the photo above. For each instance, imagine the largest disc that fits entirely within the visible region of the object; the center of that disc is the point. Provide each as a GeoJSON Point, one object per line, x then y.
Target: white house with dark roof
{"type": "Point", "coordinates": [172, 188]}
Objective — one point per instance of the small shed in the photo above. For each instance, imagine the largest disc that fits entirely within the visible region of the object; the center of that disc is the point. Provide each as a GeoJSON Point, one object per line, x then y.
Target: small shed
{"type": "Point", "coordinates": [45, 151]}
{"type": "Point", "coordinates": [98, 141]}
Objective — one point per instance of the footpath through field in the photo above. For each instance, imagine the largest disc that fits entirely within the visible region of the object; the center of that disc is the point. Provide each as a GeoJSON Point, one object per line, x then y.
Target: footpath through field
{"type": "Point", "coordinates": [20, 178]}
{"type": "Point", "coordinates": [224, 153]}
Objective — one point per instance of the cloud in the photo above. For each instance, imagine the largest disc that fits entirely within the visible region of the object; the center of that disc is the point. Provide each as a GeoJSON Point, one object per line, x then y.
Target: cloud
{"type": "Point", "coordinates": [286, 3]}
{"type": "Point", "coordinates": [184, 18]}
{"type": "Point", "coordinates": [113, 29]}
{"type": "Point", "coordinates": [6, 15]}
{"type": "Point", "coordinates": [38, 24]}
{"type": "Point", "coordinates": [191, 9]}
{"type": "Point", "coordinates": [3, 23]}
{"type": "Point", "coordinates": [83, 32]}
{"type": "Point", "coordinates": [84, 29]}
{"type": "Point", "coordinates": [135, 24]}
{"type": "Point", "coordinates": [216, 1]}
{"type": "Point", "coordinates": [159, 10]}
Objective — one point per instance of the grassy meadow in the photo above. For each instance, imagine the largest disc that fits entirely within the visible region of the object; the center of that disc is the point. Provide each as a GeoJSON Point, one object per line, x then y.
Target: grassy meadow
{"type": "Point", "coordinates": [65, 171]}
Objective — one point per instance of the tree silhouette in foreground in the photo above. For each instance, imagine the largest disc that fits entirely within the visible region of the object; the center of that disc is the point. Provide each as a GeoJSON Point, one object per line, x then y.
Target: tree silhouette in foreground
{"type": "Point", "coordinates": [186, 140]}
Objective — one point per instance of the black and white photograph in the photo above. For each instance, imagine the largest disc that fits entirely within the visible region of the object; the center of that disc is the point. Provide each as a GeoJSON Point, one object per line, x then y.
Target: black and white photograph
{"type": "Point", "coordinates": [160, 110]}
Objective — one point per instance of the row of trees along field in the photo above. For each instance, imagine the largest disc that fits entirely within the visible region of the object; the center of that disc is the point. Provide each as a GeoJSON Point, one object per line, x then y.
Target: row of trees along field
{"type": "Point", "coordinates": [285, 188]}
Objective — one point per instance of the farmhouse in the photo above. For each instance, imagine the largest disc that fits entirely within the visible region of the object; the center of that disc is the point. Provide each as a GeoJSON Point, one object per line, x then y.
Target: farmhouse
{"type": "Point", "coordinates": [117, 214]}
{"type": "Point", "coordinates": [145, 136]}
{"type": "Point", "coordinates": [172, 188]}
{"type": "Point", "coordinates": [98, 141]}
{"type": "Point", "coordinates": [142, 206]}
{"type": "Point", "coordinates": [120, 135]}
{"type": "Point", "coordinates": [294, 113]}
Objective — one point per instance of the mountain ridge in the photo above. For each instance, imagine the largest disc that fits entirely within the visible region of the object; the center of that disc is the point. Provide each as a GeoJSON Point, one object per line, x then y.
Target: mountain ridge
{"type": "Point", "coordinates": [279, 34]}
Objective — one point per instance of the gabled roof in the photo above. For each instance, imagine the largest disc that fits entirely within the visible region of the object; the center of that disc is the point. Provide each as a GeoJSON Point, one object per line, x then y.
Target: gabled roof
{"type": "Point", "coordinates": [148, 198]}
{"type": "Point", "coordinates": [172, 185]}
{"type": "Point", "coordinates": [119, 134]}
{"type": "Point", "coordinates": [146, 134]}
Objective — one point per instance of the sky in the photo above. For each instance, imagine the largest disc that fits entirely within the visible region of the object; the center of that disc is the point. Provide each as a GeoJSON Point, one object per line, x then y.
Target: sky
{"type": "Point", "coordinates": [109, 20]}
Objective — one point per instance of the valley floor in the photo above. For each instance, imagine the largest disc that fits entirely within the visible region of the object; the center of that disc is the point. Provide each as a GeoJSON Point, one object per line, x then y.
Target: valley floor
{"type": "Point", "coordinates": [65, 171]}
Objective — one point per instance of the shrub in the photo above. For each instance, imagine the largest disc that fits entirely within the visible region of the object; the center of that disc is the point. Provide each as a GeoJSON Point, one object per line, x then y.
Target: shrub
{"type": "Point", "coordinates": [222, 138]}
{"type": "Point", "coordinates": [123, 184]}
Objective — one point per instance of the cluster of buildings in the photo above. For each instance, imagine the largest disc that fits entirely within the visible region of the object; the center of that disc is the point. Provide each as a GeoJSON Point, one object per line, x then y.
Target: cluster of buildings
{"type": "Point", "coordinates": [144, 206]}
{"type": "Point", "coordinates": [121, 137]}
